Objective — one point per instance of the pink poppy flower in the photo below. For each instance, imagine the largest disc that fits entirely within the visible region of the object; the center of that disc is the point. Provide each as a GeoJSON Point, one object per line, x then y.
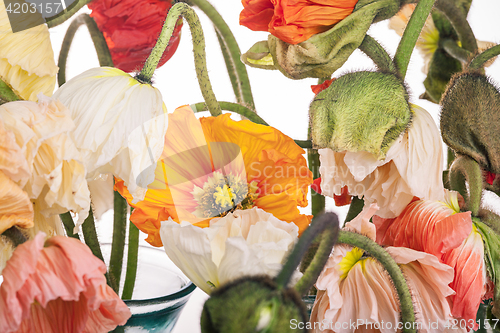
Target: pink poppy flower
{"type": "Point", "coordinates": [440, 229]}
{"type": "Point", "coordinates": [355, 293]}
{"type": "Point", "coordinates": [434, 227]}
{"type": "Point", "coordinates": [57, 286]}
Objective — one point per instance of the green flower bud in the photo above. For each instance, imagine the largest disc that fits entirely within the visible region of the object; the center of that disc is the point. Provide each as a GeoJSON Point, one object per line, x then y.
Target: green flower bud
{"type": "Point", "coordinates": [324, 53]}
{"type": "Point", "coordinates": [361, 111]}
{"type": "Point", "coordinates": [470, 117]}
{"type": "Point", "coordinates": [252, 304]}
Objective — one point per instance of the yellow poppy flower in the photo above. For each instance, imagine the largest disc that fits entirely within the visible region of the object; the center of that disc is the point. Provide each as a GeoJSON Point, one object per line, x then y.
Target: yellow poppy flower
{"type": "Point", "coordinates": [26, 59]}
{"type": "Point", "coordinates": [213, 166]}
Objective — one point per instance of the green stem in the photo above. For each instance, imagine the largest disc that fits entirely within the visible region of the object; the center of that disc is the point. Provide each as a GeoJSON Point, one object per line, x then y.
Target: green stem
{"type": "Point", "coordinates": [318, 225]}
{"type": "Point", "coordinates": [15, 235]}
{"type": "Point", "coordinates": [120, 222]}
{"type": "Point", "coordinates": [460, 24]}
{"type": "Point", "coordinates": [6, 93]}
{"type": "Point", "coordinates": [97, 38]}
{"type": "Point", "coordinates": [69, 225]}
{"type": "Point", "coordinates": [480, 59]}
{"type": "Point", "coordinates": [378, 54]}
{"type": "Point", "coordinates": [90, 237]}
{"type": "Point", "coordinates": [306, 144]}
{"type": "Point", "coordinates": [378, 252]}
{"type": "Point", "coordinates": [233, 107]}
{"type": "Point", "coordinates": [465, 169]}
{"type": "Point", "coordinates": [133, 250]}
{"type": "Point", "coordinates": [240, 73]}
{"type": "Point", "coordinates": [317, 200]}
{"type": "Point", "coordinates": [177, 10]}
{"type": "Point", "coordinates": [410, 35]}
{"type": "Point", "coordinates": [451, 47]}
{"type": "Point", "coordinates": [328, 239]}
{"type": "Point", "coordinates": [231, 71]}
{"type": "Point", "coordinates": [67, 13]}
{"type": "Point", "coordinates": [355, 208]}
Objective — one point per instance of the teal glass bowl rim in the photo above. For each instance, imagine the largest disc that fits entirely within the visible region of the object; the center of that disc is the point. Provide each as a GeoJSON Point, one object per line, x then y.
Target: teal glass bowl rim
{"type": "Point", "coordinates": [184, 291]}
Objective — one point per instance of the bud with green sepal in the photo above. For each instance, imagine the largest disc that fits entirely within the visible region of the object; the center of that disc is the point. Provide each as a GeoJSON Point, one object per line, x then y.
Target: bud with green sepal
{"type": "Point", "coordinates": [361, 111]}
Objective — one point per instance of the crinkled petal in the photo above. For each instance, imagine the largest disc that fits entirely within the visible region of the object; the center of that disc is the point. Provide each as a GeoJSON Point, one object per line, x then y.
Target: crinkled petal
{"type": "Point", "coordinates": [15, 205]}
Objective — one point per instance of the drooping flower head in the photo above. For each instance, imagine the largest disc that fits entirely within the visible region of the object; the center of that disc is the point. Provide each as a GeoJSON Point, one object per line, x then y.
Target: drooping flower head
{"type": "Point", "coordinates": [294, 21]}
{"type": "Point", "coordinates": [57, 286]}
{"type": "Point", "coordinates": [216, 165]}
{"type": "Point", "coordinates": [355, 288]}
{"type": "Point", "coordinates": [131, 28]}
{"type": "Point", "coordinates": [26, 59]}
{"type": "Point", "coordinates": [120, 124]}
{"type": "Point", "coordinates": [411, 167]}
{"type": "Point", "coordinates": [243, 243]}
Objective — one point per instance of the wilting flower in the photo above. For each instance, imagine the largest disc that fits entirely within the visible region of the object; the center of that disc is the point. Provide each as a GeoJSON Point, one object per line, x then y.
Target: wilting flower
{"type": "Point", "coordinates": [131, 28]}
{"type": "Point", "coordinates": [354, 288]}
{"type": "Point", "coordinates": [57, 286]}
{"type": "Point", "coordinates": [246, 242]}
{"type": "Point", "coordinates": [216, 165]}
{"type": "Point", "coordinates": [120, 124]}
{"type": "Point", "coordinates": [55, 178]}
{"type": "Point", "coordinates": [26, 59]}
{"type": "Point", "coordinates": [428, 41]}
{"type": "Point", "coordinates": [412, 167]}
{"type": "Point", "coordinates": [294, 21]}
{"type": "Point", "coordinates": [440, 229]}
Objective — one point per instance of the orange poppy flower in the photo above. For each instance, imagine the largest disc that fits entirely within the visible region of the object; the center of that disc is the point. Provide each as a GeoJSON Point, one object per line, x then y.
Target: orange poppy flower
{"type": "Point", "coordinates": [294, 21]}
{"type": "Point", "coordinates": [215, 165]}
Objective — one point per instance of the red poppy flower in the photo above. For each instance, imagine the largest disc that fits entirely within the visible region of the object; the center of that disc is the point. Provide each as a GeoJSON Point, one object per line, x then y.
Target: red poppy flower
{"type": "Point", "coordinates": [131, 28]}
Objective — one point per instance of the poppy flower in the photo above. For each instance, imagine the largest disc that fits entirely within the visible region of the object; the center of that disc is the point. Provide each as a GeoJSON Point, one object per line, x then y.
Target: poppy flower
{"type": "Point", "coordinates": [356, 289]}
{"type": "Point", "coordinates": [392, 182]}
{"type": "Point", "coordinates": [131, 28]}
{"type": "Point", "coordinates": [440, 229]}
{"type": "Point", "coordinates": [120, 129]}
{"type": "Point", "coordinates": [27, 62]}
{"type": "Point", "coordinates": [215, 165]}
{"type": "Point", "coordinates": [294, 21]}
{"type": "Point", "coordinates": [57, 286]}
{"type": "Point", "coordinates": [242, 243]}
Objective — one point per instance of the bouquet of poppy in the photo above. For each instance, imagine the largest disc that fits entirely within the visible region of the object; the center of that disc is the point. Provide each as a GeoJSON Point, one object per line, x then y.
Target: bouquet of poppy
{"type": "Point", "coordinates": [418, 251]}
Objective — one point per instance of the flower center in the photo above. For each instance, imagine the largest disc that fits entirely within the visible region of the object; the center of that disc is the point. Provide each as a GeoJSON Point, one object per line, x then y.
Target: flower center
{"type": "Point", "coordinates": [351, 258]}
{"type": "Point", "coordinates": [221, 195]}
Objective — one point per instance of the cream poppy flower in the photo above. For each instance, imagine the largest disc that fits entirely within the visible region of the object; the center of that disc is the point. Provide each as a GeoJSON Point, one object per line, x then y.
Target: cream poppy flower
{"type": "Point", "coordinates": [56, 181]}
{"type": "Point", "coordinates": [246, 242]}
{"type": "Point", "coordinates": [412, 167]}
{"type": "Point", "coordinates": [120, 125]}
{"type": "Point", "coordinates": [428, 40]}
{"type": "Point", "coordinates": [26, 59]}
{"type": "Point", "coordinates": [356, 289]}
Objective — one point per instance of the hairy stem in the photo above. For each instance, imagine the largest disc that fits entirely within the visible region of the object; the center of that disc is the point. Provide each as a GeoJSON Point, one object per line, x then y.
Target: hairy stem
{"type": "Point", "coordinates": [451, 47]}
{"type": "Point", "coordinates": [378, 54]}
{"type": "Point", "coordinates": [120, 222]}
{"type": "Point", "coordinates": [69, 225]}
{"type": "Point", "coordinates": [133, 251]}
{"type": "Point", "coordinates": [459, 21]}
{"type": "Point", "coordinates": [233, 107]}
{"type": "Point", "coordinates": [480, 59]}
{"type": "Point", "coordinates": [67, 13]}
{"type": "Point", "coordinates": [465, 169]}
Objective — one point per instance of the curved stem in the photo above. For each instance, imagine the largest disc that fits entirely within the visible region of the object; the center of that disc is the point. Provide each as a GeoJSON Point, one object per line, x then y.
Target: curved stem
{"type": "Point", "coordinates": [465, 169]}
{"type": "Point", "coordinates": [67, 13]}
{"type": "Point", "coordinates": [97, 38]}
{"type": "Point", "coordinates": [378, 252]}
{"type": "Point", "coordinates": [460, 24]}
{"type": "Point", "coordinates": [480, 59]}
{"type": "Point", "coordinates": [69, 225]}
{"type": "Point", "coordinates": [233, 107]}
{"type": "Point", "coordinates": [328, 239]}
{"type": "Point", "coordinates": [410, 35]}
{"type": "Point", "coordinates": [15, 235]}
{"type": "Point", "coordinates": [377, 53]}
{"type": "Point", "coordinates": [451, 47]}
{"type": "Point", "coordinates": [223, 30]}
{"type": "Point", "coordinates": [118, 243]}
{"type": "Point", "coordinates": [306, 144]}
{"type": "Point", "coordinates": [231, 71]}
{"type": "Point", "coordinates": [181, 9]}
{"type": "Point", "coordinates": [318, 225]}
{"type": "Point", "coordinates": [133, 250]}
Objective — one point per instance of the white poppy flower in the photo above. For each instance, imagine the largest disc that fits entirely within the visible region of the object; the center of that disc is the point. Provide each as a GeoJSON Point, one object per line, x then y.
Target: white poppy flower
{"type": "Point", "coordinates": [120, 125]}
{"type": "Point", "coordinates": [412, 167]}
{"type": "Point", "coordinates": [242, 243]}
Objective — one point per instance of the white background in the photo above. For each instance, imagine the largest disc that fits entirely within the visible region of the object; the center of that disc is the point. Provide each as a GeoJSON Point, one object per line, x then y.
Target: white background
{"type": "Point", "coordinates": [282, 102]}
